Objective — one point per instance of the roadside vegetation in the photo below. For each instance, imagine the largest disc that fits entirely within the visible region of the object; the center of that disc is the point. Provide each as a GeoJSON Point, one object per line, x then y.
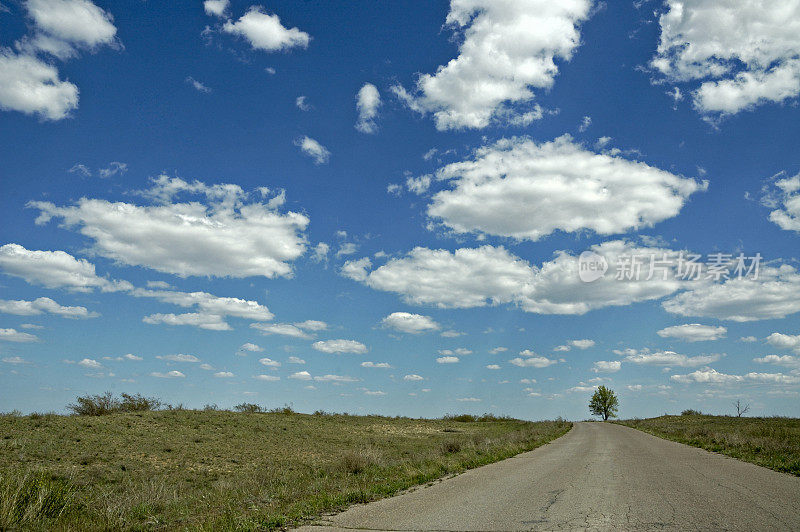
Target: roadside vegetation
{"type": "Point", "coordinates": [134, 468]}
{"type": "Point", "coordinates": [772, 442]}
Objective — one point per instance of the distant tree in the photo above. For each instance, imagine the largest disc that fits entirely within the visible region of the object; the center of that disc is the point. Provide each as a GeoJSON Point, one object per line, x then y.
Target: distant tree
{"type": "Point", "coordinates": [741, 409]}
{"type": "Point", "coordinates": [691, 412]}
{"type": "Point", "coordinates": [604, 403]}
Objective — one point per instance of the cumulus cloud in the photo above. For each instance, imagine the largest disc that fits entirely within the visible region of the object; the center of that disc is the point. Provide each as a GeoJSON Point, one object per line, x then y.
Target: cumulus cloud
{"type": "Point", "coordinates": [383, 365]}
{"type": "Point", "coordinates": [530, 360]}
{"type": "Point", "coordinates": [449, 359]}
{"type": "Point", "coordinates": [179, 358]}
{"type": "Point", "coordinates": [526, 190]}
{"type": "Point", "coordinates": [410, 323]}
{"type": "Point", "coordinates": [788, 361]}
{"type": "Point", "coordinates": [12, 335]}
{"type": "Point", "coordinates": [295, 360]}
{"type": "Point", "coordinates": [268, 378]}
{"type": "Point", "coordinates": [785, 341]}
{"type": "Point", "coordinates": [269, 362]}
{"type": "Point", "coordinates": [712, 376]}
{"type": "Point", "coordinates": [606, 366]}
{"type": "Point", "coordinates": [787, 199]}
{"type": "Point", "coordinates": [265, 32]}
{"type": "Point", "coordinates": [693, 332]}
{"type": "Point", "coordinates": [55, 269]}
{"type": "Point", "coordinates": [476, 277]}
{"type": "Point", "coordinates": [216, 8]}
{"type": "Point", "coordinates": [209, 304]}
{"type": "Point", "coordinates": [301, 376]}
{"type": "Point", "coordinates": [223, 375]}
{"type": "Point", "coordinates": [250, 347]}
{"type": "Point", "coordinates": [40, 305]}
{"type": "Point", "coordinates": [31, 86]}
{"type": "Point", "coordinates": [90, 363]}
{"type": "Point", "coordinates": [225, 237]}
{"type": "Point", "coordinates": [211, 322]}
{"type": "Point", "coordinates": [174, 374]}
{"type": "Point", "coordinates": [666, 358]}
{"type": "Point", "coordinates": [578, 344]}
{"type": "Point", "coordinates": [498, 350]}
{"type": "Point", "coordinates": [413, 377]}
{"type": "Point", "coordinates": [368, 100]}
{"type": "Point", "coordinates": [774, 294]}
{"type": "Point", "coordinates": [310, 147]}
{"type": "Point", "coordinates": [297, 330]}
{"type": "Point", "coordinates": [743, 52]}
{"type": "Point", "coordinates": [64, 26]}
{"type": "Point", "coordinates": [507, 49]}
{"type": "Point", "coordinates": [340, 346]}
{"type": "Point", "coordinates": [335, 378]}
{"type": "Point", "coordinates": [199, 86]}
{"type": "Point", "coordinates": [14, 360]}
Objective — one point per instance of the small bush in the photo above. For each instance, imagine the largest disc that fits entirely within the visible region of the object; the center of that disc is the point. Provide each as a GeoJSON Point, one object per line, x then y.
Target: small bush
{"type": "Point", "coordinates": [104, 404]}
{"type": "Point", "coordinates": [248, 408]}
{"type": "Point", "coordinates": [210, 408]}
{"type": "Point", "coordinates": [357, 461]}
{"type": "Point", "coordinates": [139, 403]}
{"type": "Point", "coordinates": [285, 409]}
{"type": "Point", "coordinates": [691, 412]}
{"type": "Point", "coordinates": [450, 447]}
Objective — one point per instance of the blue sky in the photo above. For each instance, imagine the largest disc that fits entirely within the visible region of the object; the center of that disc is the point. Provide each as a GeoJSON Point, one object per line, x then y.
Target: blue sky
{"type": "Point", "coordinates": [381, 208]}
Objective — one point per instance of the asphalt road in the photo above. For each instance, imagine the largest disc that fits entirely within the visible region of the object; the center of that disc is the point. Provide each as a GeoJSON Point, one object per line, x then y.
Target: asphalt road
{"type": "Point", "coordinates": [599, 476]}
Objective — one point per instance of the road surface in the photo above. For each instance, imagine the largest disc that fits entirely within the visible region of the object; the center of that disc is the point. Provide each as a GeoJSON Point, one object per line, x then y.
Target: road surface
{"type": "Point", "coordinates": [599, 476]}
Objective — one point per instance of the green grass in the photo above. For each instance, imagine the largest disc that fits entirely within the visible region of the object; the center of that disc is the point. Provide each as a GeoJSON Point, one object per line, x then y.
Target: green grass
{"type": "Point", "coordinates": [772, 442]}
{"type": "Point", "coordinates": [212, 470]}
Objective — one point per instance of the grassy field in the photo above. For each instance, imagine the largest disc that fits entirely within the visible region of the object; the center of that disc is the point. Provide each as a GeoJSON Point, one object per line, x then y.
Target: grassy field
{"type": "Point", "coordinates": [772, 442]}
{"type": "Point", "coordinates": [184, 469]}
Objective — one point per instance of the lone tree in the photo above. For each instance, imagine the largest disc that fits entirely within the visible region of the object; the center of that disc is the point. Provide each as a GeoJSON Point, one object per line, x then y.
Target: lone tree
{"type": "Point", "coordinates": [740, 408]}
{"type": "Point", "coordinates": [604, 403]}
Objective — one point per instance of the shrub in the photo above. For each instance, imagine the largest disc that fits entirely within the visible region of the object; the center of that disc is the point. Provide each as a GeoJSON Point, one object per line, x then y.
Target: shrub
{"type": "Point", "coordinates": [285, 409]}
{"type": "Point", "coordinates": [103, 404]}
{"type": "Point", "coordinates": [691, 412]}
{"type": "Point", "coordinates": [450, 447]}
{"type": "Point", "coordinates": [356, 461]}
{"type": "Point", "coordinates": [248, 408]}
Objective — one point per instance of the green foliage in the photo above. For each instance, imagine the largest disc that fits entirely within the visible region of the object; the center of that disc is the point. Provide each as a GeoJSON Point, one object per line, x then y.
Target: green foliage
{"type": "Point", "coordinates": [220, 470]}
{"type": "Point", "coordinates": [104, 404]}
{"type": "Point", "coordinates": [248, 408]}
{"type": "Point", "coordinates": [772, 442]}
{"type": "Point", "coordinates": [604, 403]}
{"type": "Point", "coordinates": [691, 412]}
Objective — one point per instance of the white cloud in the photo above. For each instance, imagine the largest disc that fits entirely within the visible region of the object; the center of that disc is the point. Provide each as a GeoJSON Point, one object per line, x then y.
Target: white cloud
{"type": "Point", "coordinates": [302, 103]}
{"type": "Point", "coordinates": [55, 269]}
{"type": "Point", "coordinates": [211, 322]}
{"type": "Point", "coordinates": [532, 361]}
{"type": "Point", "coordinates": [199, 86]}
{"type": "Point", "coordinates": [113, 168]}
{"type": "Point", "coordinates": [748, 339]}
{"type": "Point", "coordinates": [223, 375]}
{"type": "Point", "coordinates": [785, 341]}
{"type": "Point", "coordinates": [12, 335]}
{"type": "Point", "coordinates": [468, 400]}
{"type": "Point", "coordinates": [179, 358]}
{"type": "Point", "coordinates": [463, 279]}
{"type": "Point", "coordinates": [666, 358]}
{"type": "Point", "coordinates": [452, 334]}
{"type": "Point", "coordinates": [269, 362]}
{"type": "Point", "coordinates": [301, 376]}
{"type": "Point", "coordinates": [340, 346]}
{"type": "Point", "coordinates": [585, 123]}
{"type": "Point", "coordinates": [492, 366]}
{"type": "Point", "coordinates": [447, 360]}
{"type": "Point", "coordinates": [216, 8]}
{"type": "Point", "coordinates": [15, 360]}
{"type": "Point", "coordinates": [250, 347]}
{"type": "Point", "coordinates": [606, 366]}
{"type": "Point", "coordinates": [413, 377]}
{"type": "Point", "coordinates": [693, 332]}
{"type": "Point", "coordinates": [346, 248]}
{"type": "Point", "coordinates": [31, 86]}
{"type": "Point", "coordinates": [520, 189]}
{"type": "Point", "coordinates": [787, 198]}
{"type": "Point", "coordinates": [41, 305]}
{"type": "Point", "coordinates": [744, 52]}
{"type": "Point", "coordinates": [174, 374]}
{"type": "Point", "coordinates": [285, 329]}
{"type": "Point", "coordinates": [788, 361]}
{"type": "Point", "coordinates": [265, 32]}
{"type": "Point", "coordinates": [335, 378]}
{"type": "Point", "coordinates": [90, 363]}
{"type": "Point", "coordinates": [368, 100]}
{"type": "Point", "coordinates": [410, 323]}
{"type": "Point", "coordinates": [498, 350]}
{"type": "Point", "coordinates": [313, 149]}
{"type": "Point", "coordinates": [384, 365]}
{"type": "Point", "coordinates": [508, 48]}
{"type": "Point", "coordinates": [320, 253]}
{"type": "Point", "coordinates": [268, 378]}
{"type": "Point", "coordinates": [64, 25]}
{"type": "Point", "coordinates": [579, 344]}
{"type": "Point", "coordinates": [712, 376]}
{"type": "Point", "coordinates": [377, 393]}
{"type": "Point", "coordinates": [775, 294]}
{"type": "Point", "coordinates": [226, 237]}
{"type": "Point", "coordinates": [295, 360]}
{"type": "Point", "coordinates": [461, 351]}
